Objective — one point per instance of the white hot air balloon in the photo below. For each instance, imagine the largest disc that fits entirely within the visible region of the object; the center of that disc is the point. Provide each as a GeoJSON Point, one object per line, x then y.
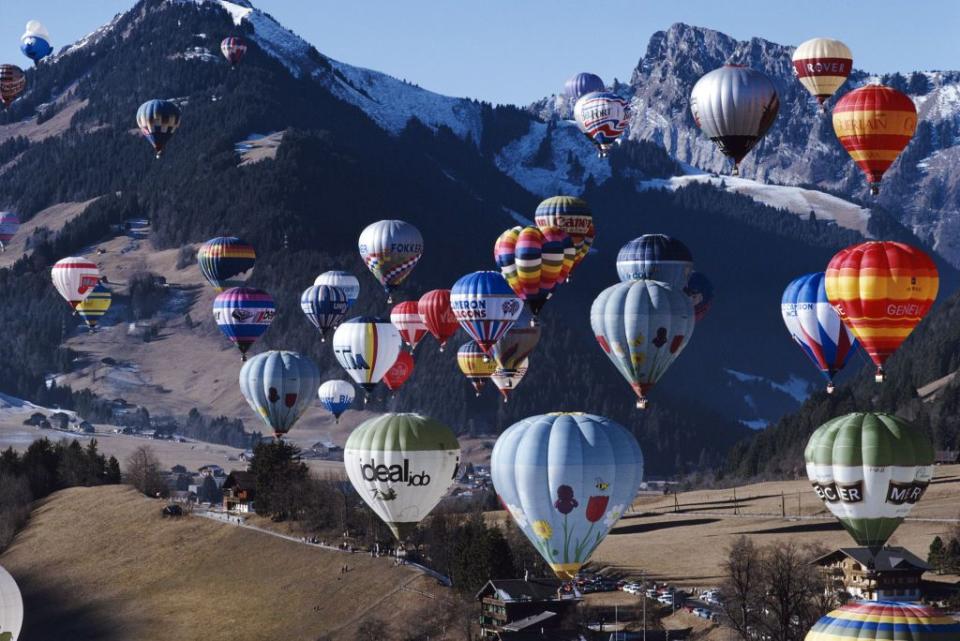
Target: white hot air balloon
{"type": "Point", "coordinates": [11, 607]}
{"type": "Point", "coordinates": [75, 278]}
{"type": "Point", "coordinates": [366, 348]}
{"type": "Point", "coordinates": [336, 397]}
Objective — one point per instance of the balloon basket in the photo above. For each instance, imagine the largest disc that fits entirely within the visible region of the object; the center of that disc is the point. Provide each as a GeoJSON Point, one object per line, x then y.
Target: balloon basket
{"type": "Point", "coordinates": [830, 388]}
{"type": "Point", "coordinates": [874, 189]}
{"type": "Point", "coordinates": [879, 376]}
{"type": "Point", "coordinates": [736, 170]}
{"type": "Point", "coordinates": [642, 404]}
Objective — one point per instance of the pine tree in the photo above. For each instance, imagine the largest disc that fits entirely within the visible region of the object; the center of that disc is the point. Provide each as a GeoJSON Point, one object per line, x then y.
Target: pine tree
{"type": "Point", "coordinates": [936, 555]}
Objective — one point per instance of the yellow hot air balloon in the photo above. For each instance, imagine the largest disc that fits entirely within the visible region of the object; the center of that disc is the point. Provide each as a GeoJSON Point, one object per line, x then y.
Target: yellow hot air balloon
{"type": "Point", "coordinates": [822, 66]}
{"type": "Point", "coordinates": [93, 307]}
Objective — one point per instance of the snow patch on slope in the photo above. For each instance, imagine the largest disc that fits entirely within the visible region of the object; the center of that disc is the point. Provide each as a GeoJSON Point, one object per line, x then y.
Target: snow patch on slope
{"type": "Point", "coordinates": [795, 387]}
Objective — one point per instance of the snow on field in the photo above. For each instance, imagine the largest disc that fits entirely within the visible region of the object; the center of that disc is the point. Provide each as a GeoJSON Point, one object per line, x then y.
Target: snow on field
{"type": "Point", "coordinates": [257, 147]}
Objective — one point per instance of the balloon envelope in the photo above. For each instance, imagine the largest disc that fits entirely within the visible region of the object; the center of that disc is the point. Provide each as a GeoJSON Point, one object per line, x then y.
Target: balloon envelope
{"type": "Point", "coordinates": [95, 305]}
{"type": "Point", "coordinates": [581, 84]}
{"type": "Point", "coordinates": [405, 317]}
{"type": "Point", "coordinates": [475, 365]}
{"type": "Point", "coordinates": [573, 216]}
{"type": "Point", "coordinates": [158, 120]}
{"type": "Point", "coordinates": [822, 65]}
{"type": "Point", "coordinates": [336, 397]}
{"type": "Point", "coordinates": [401, 370]}
{"type": "Point", "coordinates": [485, 307]}
{"type": "Point", "coordinates": [884, 621]}
{"type": "Point", "coordinates": [11, 606]}
{"type": "Point", "coordinates": [391, 249]}
{"type": "Point", "coordinates": [226, 261]}
{"type": "Point", "coordinates": [531, 262]}
{"type": "Point", "coordinates": [75, 278]}
{"type": "Point", "coordinates": [9, 225]}
{"type": "Point", "coordinates": [279, 386]}
{"type": "Point", "coordinates": [700, 290]}
{"type": "Point", "coordinates": [35, 42]}
{"type": "Point", "coordinates": [366, 348]}
{"type": "Point", "coordinates": [12, 83]}
{"type": "Point", "coordinates": [233, 49]}
{"type": "Point", "coordinates": [402, 465]}
{"type": "Point", "coordinates": [602, 117]}
{"type": "Point", "coordinates": [507, 380]}
{"type": "Point", "coordinates": [243, 314]}
{"type": "Point", "coordinates": [869, 469]}
{"type": "Point", "coordinates": [436, 313]}
{"type": "Point", "coordinates": [566, 479]}
{"type": "Point", "coordinates": [325, 306]}
{"type": "Point", "coordinates": [344, 280]}
{"type": "Point", "coordinates": [655, 257]}
{"type": "Point", "coordinates": [518, 343]}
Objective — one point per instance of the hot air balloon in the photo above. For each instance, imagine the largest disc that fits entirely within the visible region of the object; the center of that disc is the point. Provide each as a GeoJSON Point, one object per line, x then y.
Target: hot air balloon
{"type": "Point", "coordinates": [642, 326]}
{"type": "Point", "coordinates": [874, 124]}
{"type": "Point", "coordinates": [573, 216]}
{"type": "Point", "coordinates": [881, 290]}
{"type": "Point", "coordinates": [475, 365]}
{"type": "Point", "coordinates": [485, 307]}
{"type": "Point", "coordinates": [75, 278]}
{"type": "Point", "coordinates": [531, 263]}
{"type": "Point", "coordinates": [12, 83]}
{"type": "Point", "coordinates": [336, 397]}
{"type": "Point", "coordinates": [9, 224]}
{"type": "Point", "coordinates": [822, 65]}
{"type": "Point", "coordinates": [815, 325]}
{"type": "Point", "coordinates": [344, 280]}
{"type": "Point", "coordinates": [566, 479]}
{"type": "Point", "coordinates": [401, 370]}
{"type": "Point", "coordinates": [95, 305]}
{"type": "Point", "coordinates": [35, 42]}
{"type": "Point", "coordinates": [158, 120]}
{"type": "Point", "coordinates": [366, 348]}
{"type": "Point", "coordinates": [11, 607]}
{"type": "Point", "coordinates": [884, 621]}
{"type": "Point", "coordinates": [391, 249]}
{"type": "Point", "coordinates": [325, 306]}
{"type": "Point", "coordinates": [602, 117]}
{"type": "Point", "coordinates": [869, 469]}
{"type": "Point", "coordinates": [582, 84]}
{"type": "Point", "coordinates": [436, 314]}
{"type": "Point", "coordinates": [243, 314]}
{"type": "Point", "coordinates": [279, 386]}
{"type": "Point", "coordinates": [225, 261]}
{"type": "Point", "coordinates": [700, 290]}
{"type": "Point", "coordinates": [402, 465]}
{"type": "Point", "coordinates": [405, 317]}
{"type": "Point", "coordinates": [507, 380]}
{"type": "Point", "coordinates": [655, 257]}
{"type": "Point", "coordinates": [233, 49]}
{"type": "Point", "coordinates": [734, 106]}
{"type": "Point", "coordinates": [518, 343]}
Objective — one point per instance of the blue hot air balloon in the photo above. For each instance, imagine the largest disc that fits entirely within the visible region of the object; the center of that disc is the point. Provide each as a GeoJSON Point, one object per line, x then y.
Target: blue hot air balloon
{"type": "Point", "coordinates": [325, 306]}
{"type": "Point", "coordinates": [344, 280]}
{"type": "Point", "coordinates": [35, 42]}
{"type": "Point", "coordinates": [485, 306]}
{"type": "Point", "coordinates": [582, 84]}
{"type": "Point", "coordinates": [243, 314]}
{"type": "Point", "coordinates": [158, 120]}
{"type": "Point", "coordinates": [815, 325]}
{"type": "Point", "coordinates": [336, 397]}
{"type": "Point", "coordinates": [655, 257]}
{"type": "Point", "coordinates": [566, 479]}
{"type": "Point", "coordinates": [279, 386]}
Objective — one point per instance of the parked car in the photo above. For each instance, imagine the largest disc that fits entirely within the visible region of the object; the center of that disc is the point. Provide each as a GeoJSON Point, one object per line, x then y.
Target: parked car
{"type": "Point", "coordinates": [666, 599]}
{"type": "Point", "coordinates": [633, 588]}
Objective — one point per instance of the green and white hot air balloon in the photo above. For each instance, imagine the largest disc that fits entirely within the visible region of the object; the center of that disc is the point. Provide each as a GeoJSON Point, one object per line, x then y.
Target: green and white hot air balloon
{"type": "Point", "coordinates": [402, 465]}
{"type": "Point", "coordinates": [869, 469]}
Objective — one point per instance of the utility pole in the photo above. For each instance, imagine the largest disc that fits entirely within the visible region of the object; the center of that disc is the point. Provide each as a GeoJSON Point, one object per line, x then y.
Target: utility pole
{"type": "Point", "coordinates": [783, 504]}
{"type": "Point", "coordinates": [736, 506]}
{"type": "Point", "coordinates": [644, 575]}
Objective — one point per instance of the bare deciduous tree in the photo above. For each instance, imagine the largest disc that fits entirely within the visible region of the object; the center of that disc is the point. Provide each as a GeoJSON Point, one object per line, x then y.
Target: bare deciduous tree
{"type": "Point", "coordinates": [143, 472]}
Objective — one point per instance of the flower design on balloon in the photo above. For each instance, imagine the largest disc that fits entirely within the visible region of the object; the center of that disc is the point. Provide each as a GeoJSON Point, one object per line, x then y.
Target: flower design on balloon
{"type": "Point", "coordinates": [596, 507]}
{"type": "Point", "coordinates": [565, 502]}
{"type": "Point", "coordinates": [676, 343]}
{"type": "Point", "coordinates": [661, 338]}
{"type": "Point", "coordinates": [613, 515]}
{"type": "Point", "coordinates": [542, 529]}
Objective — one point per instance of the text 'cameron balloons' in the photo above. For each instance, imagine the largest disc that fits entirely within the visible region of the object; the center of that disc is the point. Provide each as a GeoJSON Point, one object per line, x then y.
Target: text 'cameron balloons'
{"type": "Point", "coordinates": [74, 278]}
{"type": "Point", "coordinates": [566, 479]}
{"type": "Point", "coordinates": [279, 386]}
{"type": "Point", "coordinates": [225, 261]}
{"type": "Point", "coordinates": [869, 469]}
{"type": "Point", "coordinates": [405, 317]}
{"type": "Point", "coordinates": [734, 106]}
{"type": "Point", "coordinates": [518, 343]}
{"type": "Point", "coordinates": [391, 249]}
{"type": "Point", "coordinates": [398, 374]}
{"type": "Point", "coordinates": [485, 306]}
{"type": "Point", "coordinates": [642, 326]}
{"type": "Point", "coordinates": [874, 124]}
{"type": "Point", "coordinates": [12, 83]}
{"type": "Point", "coordinates": [475, 365]}
{"type": "Point", "coordinates": [325, 306]}
{"type": "Point", "coordinates": [815, 325]}
{"type": "Point", "coordinates": [436, 313]}
{"type": "Point", "coordinates": [507, 380]}
{"type": "Point", "coordinates": [582, 84]}
{"type": "Point", "coordinates": [35, 42]}
{"type": "Point", "coordinates": [700, 290]}
{"type": "Point", "coordinates": [822, 65]}
{"type": "Point", "coordinates": [402, 465]}
{"type": "Point", "coordinates": [158, 120]}
{"type": "Point", "coordinates": [243, 314]}
{"type": "Point", "coordinates": [9, 225]}
{"type": "Point", "coordinates": [11, 607]}
{"type": "Point", "coordinates": [233, 49]}
{"type": "Point", "coordinates": [366, 348]}
{"type": "Point", "coordinates": [573, 216]}
{"type": "Point", "coordinates": [532, 263]}
{"type": "Point", "coordinates": [881, 290]}
{"type": "Point", "coordinates": [884, 621]}
{"type": "Point", "coordinates": [95, 305]}
{"type": "Point", "coordinates": [655, 257]}
{"type": "Point", "coordinates": [602, 117]}
{"type": "Point", "coordinates": [336, 397]}
{"type": "Point", "coordinates": [344, 280]}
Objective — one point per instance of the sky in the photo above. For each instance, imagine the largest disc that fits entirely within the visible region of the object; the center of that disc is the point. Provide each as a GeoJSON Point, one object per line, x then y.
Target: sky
{"type": "Point", "coordinates": [516, 51]}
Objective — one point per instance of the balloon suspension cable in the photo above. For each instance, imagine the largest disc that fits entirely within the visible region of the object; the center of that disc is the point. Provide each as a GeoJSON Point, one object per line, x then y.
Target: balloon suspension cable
{"type": "Point", "coordinates": [641, 403]}
{"type": "Point", "coordinates": [830, 387]}
{"type": "Point", "coordinates": [880, 375]}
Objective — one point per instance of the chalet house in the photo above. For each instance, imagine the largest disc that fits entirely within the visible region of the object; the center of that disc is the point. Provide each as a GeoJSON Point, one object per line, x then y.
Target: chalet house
{"type": "Point", "coordinates": [239, 491]}
{"type": "Point", "coordinates": [894, 575]}
{"type": "Point", "coordinates": [515, 609]}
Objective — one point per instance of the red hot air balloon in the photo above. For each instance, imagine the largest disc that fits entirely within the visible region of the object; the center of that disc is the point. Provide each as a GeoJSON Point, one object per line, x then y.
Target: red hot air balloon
{"type": "Point", "coordinates": [397, 375]}
{"type": "Point", "coordinates": [435, 311]}
{"type": "Point", "coordinates": [874, 124]}
{"type": "Point", "coordinates": [405, 317]}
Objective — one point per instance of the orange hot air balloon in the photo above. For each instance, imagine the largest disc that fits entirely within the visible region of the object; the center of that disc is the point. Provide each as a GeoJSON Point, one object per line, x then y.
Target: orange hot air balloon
{"type": "Point", "coordinates": [397, 375]}
{"type": "Point", "coordinates": [874, 124]}
{"type": "Point", "coordinates": [881, 290]}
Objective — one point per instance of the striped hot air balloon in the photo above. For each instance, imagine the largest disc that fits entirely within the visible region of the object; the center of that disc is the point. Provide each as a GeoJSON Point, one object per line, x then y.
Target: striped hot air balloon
{"type": "Point", "coordinates": [881, 290]}
{"type": "Point", "coordinates": [12, 83]}
{"type": "Point", "coordinates": [655, 257]}
{"type": "Point", "coordinates": [233, 49]}
{"type": "Point", "coordinates": [475, 365]}
{"type": "Point", "coordinates": [532, 262]}
{"type": "Point", "coordinates": [390, 249]}
{"type": "Point", "coordinates": [225, 261]}
{"type": "Point", "coordinates": [574, 217]}
{"type": "Point", "coordinates": [507, 380]}
{"type": "Point", "coordinates": [158, 120]}
{"type": "Point", "coordinates": [582, 84]}
{"type": "Point", "coordinates": [366, 348]}
{"type": "Point", "coordinates": [885, 621]}
{"type": "Point", "coordinates": [9, 225]}
{"type": "Point", "coordinates": [822, 66]}
{"type": "Point", "coordinates": [243, 314]}
{"type": "Point", "coordinates": [405, 317]}
{"type": "Point", "coordinates": [436, 314]}
{"type": "Point", "coordinates": [485, 306]}
{"type": "Point", "coordinates": [95, 306]}
{"type": "Point", "coordinates": [603, 117]}
{"type": "Point", "coordinates": [344, 280]}
{"type": "Point", "coordinates": [325, 306]}
{"type": "Point", "coordinates": [74, 278]}
{"type": "Point", "coordinates": [874, 124]}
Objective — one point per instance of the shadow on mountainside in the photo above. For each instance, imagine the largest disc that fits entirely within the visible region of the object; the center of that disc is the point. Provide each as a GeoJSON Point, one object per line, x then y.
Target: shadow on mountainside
{"type": "Point", "coordinates": [55, 614]}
